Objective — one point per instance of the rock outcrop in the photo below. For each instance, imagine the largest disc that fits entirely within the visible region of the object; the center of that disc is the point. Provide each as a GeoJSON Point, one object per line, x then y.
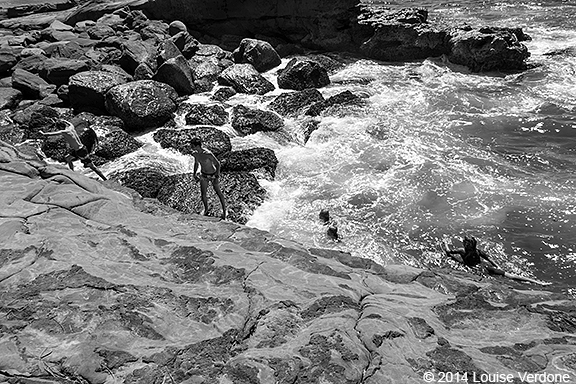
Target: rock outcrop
{"type": "Point", "coordinates": [97, 286]}
{"type": "Point", "coordinates": [142, 104]}
{"type": "Point", "coordinates": [408, 35]}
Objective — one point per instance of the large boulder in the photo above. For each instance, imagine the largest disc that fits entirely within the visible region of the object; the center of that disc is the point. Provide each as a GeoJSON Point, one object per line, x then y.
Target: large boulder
{"type": "Point", "coordinates": [295, 103]}
{"type": "Point", "coordinates": [258, 53]}
{"type": "Point", "coordinates": [402, 35]}
{"type": "Point", "coordinates": [241, 190]}
{"type": "Point", "coordinates": [487, 49]}
{"type": "Point", "coordinates": [177, 73]}
{"type": "Point", "coordinates": [87, 90]}
{"type": "Point", "coordinates": [408, 35]}
{"type": "Point", "coordinates": [302, 74]}
{"type": "Point", "coordinates": [135, 52]}
{"type": "Point", "coordinates": [207, 64]}
{"type": "Point", "coordinates": [142, 104]}
{"type": "Point", "coordinates": [146, 180]}
{"type": "Point", "coordinates": [212, 138]}
{"type": "Point", "coordinates": [114, 142]}
{"type": "Point", "coordinates": [263, 160]}
{"type": "Point", "coordinates": [32, 86]}
{"type": "Point", "coordinates": [205, 114]}
{"type": "Point", "coordinates": [250, 120]}
{"type": "Point", "coordinates": [244, 78]}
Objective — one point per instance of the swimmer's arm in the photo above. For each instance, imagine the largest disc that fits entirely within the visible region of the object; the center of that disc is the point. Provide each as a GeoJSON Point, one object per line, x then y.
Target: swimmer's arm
{"type": "Point", "coordinates": [485, 257]}
{"type": "Point", "coordinates": [452, 255]}
{"type": "Point", "coordinates": [54, 133]}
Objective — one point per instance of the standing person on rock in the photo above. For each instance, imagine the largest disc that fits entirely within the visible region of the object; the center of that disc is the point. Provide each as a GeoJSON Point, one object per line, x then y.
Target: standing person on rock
{"type": "Point", "coordinates": [78, 151]}
{"type": "Point", "coordinates": [209, 172]}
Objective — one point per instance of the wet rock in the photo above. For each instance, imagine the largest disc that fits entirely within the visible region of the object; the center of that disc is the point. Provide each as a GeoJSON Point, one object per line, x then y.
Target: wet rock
{"type": "Point", "coordinates": [177, 73]}
{"type": "Point", "coordinates": [202, 114]}
{"type": "Point", "coordinates": [258, 53]}
{"type": "Point", "coordinates": [303, 74]}
{"type": "Point", "coordinates": [248, 120]}
{"type": "Point", "coordinates": [223, 93]}
{"type": "Point", "coordinates": [408, 35]}
{"type": "Point", "coordinates": [205, 74]}
{"type": "Point", "coordinates": [249, 160]}
{"type": "Point", "coordinates": [213, 139]}
{"type": "Point", "coordinates": [32, 86]}
{"type": "Point", "coordinates": [87, 90]}
{"type": "Point", "coordinates": [114, 142]}
{"type": "Point", "coordinates": [241, 189]}
{"type": "Point", "coordinates": [487, 49]}
{"type": "Point", "coordinates": [207, 64]}
{"type": "Point", "coordinates": [142, 104]}
{"type": "Point", "coordinates": [345, 98]}
{"type": "Point", "coordinates": [295, 103]}
{"type": "Point", "coordinates": [147, 181]}
{"type": "Point", "coordinates": [244, 78]}
{"type": "Point", "coordinates": [396, 33]}
{"type": "Point", "coordinates": [307, 127]}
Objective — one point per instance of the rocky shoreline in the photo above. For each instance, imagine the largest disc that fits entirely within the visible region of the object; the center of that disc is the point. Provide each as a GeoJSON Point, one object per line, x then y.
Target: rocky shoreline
{"type": "Point", "coordinates": [100, 285]}
{"type": "Point", "coordinates": [121, 282]}
{"type": "Point", "coordinates": [125, 73]}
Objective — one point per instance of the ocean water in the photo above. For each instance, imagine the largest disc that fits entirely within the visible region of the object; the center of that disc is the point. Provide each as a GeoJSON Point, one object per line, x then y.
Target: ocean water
{"type": "Point", "coordinates": [437, 152]}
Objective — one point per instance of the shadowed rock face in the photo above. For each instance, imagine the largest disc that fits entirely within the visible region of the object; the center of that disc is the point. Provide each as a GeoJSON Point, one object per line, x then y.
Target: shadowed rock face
{"type": "Point", "coordinates": [317, 24]}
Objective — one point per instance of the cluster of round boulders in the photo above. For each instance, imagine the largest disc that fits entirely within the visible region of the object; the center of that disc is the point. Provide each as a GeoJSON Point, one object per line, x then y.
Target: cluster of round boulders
{"type": "Point", "coordinates": [123, 74]}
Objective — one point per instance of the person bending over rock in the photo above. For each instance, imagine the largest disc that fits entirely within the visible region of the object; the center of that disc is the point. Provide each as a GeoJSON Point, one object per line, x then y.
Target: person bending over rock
{"type": "Point", "coordinates": [78, 151]}
{"type": "Point", "coordinates": [209, 172]}
{"type": "Point", "coordinates": [471, 256]}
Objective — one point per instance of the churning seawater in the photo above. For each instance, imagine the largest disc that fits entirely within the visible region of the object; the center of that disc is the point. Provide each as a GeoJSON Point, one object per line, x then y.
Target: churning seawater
{"type": "Point", "coordinates": [438, 152]}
